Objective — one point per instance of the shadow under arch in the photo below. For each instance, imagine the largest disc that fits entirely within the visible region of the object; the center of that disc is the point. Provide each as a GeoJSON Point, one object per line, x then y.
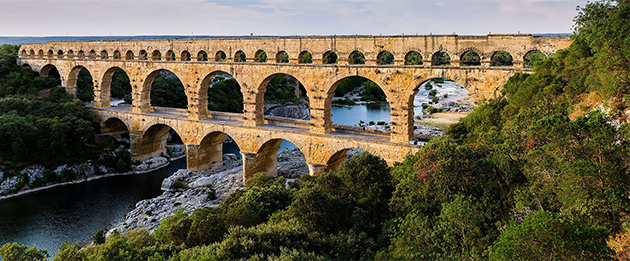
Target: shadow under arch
{"type": "Point", "coordinates": [113, 125]}
{"type": "Point", "coordinates": [152, 142]}
{"type": "Point", "coordinates": [266, 159]}
{"type": "Point", "coordinates": [211, 150]}
{"type": "Point", "coordinates": [212, 79]}
{"type": "Point", "coordinates": [106, 85]}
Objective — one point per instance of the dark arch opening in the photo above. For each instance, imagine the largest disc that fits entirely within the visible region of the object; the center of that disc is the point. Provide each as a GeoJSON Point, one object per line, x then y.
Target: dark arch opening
{"type": "Point", "coordinates": [158, 141]}
{"type": "Point", "coordinates": [81, 54]}
{"type": "Point", "coordinates": [276, 151]}
{"type": "Point", "coordinates": [115, 133]}
{"type": "Point", "coordinates": [441, 58]}
{"type": "Point", "coordinates": [223, 93]}
{"type": "Point", "coordinates": [156, 55]}
{"type": "Point", "coordinates": [260, 56]}
{"type": "Point", "coordinates": [373, 110]}
{"type": "Point", "coordinates": [240, 57]}
{"type": "Point", "coordinates": [339, 157]}
{"type": "Point", "coordinates": [117, 84]}
{"type": "Point", "coordinates": [220, 56]}
{"type": "Point", "coordinates": [533, 57]}
{"type": "Point", "coordinates": [92, 54]}
{"type": "Point", "coordinates": [40, 54]}
{"type": "Point", "coordinates": [104, 54]}
{"type": "Point", "coordinates": [116, 55]}
{"type": "Point", "coordinates": [470, 58]}
{"type": "Point", "coordinates": [502, 58]}
{"type": "Point", "coordinates": [60, 54]}
{"type": "Point", "coordinates": [202, 56]}
{"type": "Point", "coordinates": [167, 90]}
{"type": "Point", "coordinates": [23, 53]}
{"type": "Point", "coordinates": [282, 57]}
{"type": "Point", "coordinates": [385, 57]}
{"type": "Point", "coordinates": [50, 72]}
{"type": "Point", "coordinates": [142, 55]}
{"type": "Point", "coordinates": [214, 146]}
{"type": "Point", "coordinates": [413, 58]}
{"type": "Point", "coordinates": [305, 57]}
{"type": "Point", "coordinates": [50, 54]}
{"type": "Point", "coordinates": [129, 55]}
{"type": "Point", "coordinates": [170, 55]}
{"type": "Point", "coordinates": [185, 56]}
{"type": "Point", "coordinates": [32, 53]}
{"type": "Point", "coordinates": [82, 79]}
{"type": "Point", "coordinates": [356, 57]}
{"type": "Point", "coordinates": [330, 57]}
{"type": "Point", "coordinates": [285, 96]}
{"type": "Point", "coordinates": [70, 54]}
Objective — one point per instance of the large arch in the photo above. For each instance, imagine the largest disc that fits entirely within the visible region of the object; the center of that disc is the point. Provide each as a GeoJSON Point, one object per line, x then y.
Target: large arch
{"type": "Point", "coordinates": [105, 93]}
{"type": "Point", "coordinates": [263, 84]}
{"type": "Point", "coordinates": [152, 142]}
{"type": "Point", "coordinates": [83, 90]}
{"type": "Point", "coordinates": [113, 125]}
{"type": "Point", "coordinates": [147, 89]}
{"type": "Point", "coordinates": [210, 151]}
{"type": "Point", "coordinates": [266, 157]}
{"type": "Point", "coordinates": [355, 80]}
{"type": "Point", "coordinates": [338, 155]}
{"type": "Point", "coordinates": [204, 105]}
{"type": "Point", "coordinates": [49, 69]}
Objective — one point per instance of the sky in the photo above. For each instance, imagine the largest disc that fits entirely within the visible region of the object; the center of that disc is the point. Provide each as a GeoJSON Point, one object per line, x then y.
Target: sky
{"type": "Point", "coordinates": [284, 17]}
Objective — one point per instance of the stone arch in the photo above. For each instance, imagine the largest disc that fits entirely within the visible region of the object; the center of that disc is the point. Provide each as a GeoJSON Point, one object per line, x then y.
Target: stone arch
{"type": "Point", "coordinates": [26, 65]}
{"type": "Point", "coordinates": [105, 86]}
{"type": "Point", "coordinates": [145, 94]}
{"type": "Point", "coordinates": [81, 54]}
{"type": "Point", "coordinates": [116, 55]}
{"type": "Point", "coordinates": [329, 57]}
{"type": "Point", "coordinates": [50, 54]}
{"type": "Point", "coordinates": [204, 87]}
{"type": "Point", "coordinates": [129, 55]}
{"type": "Point", "coordinates": [533, 56]}
{"type": "Point", "coordinates": [240, 57]}
{"type": "Point", "coordinates": [260, 56]}
{"type": "Point", "coordinates": [73, 83]}
{"type": "Point", "coordinates": [60, 54]}
{"type": "Point", "coordinates": [46, 69]}
{"type": "Point", "coordinates": [385, 57]}
{"type": "Point", "coordinates": [413, 58]}
{"type": "Point", "coordinates": [202, 56]}
{"type": "Point", "coordinates": [31, 53]}
{"type": "Point", "coordinates": [220, 56]}
{"type": "Point", "coordinates": [40, 53]}
{"type": "Point", "coordinates": [282, 57]}
{"type": "Point", "coordinates": [70, 54]}
{"type": "Point", "coordinates": [169, 56]}
{"type": "Point", "coordinates": [114, 125]}
{"type": "Point", "coordinates": [441, 58]}
{"type": "Point", "coordinates": [501, 58]}
{"type": "Point", "coordinates": [156, 55]}
{"type": "Point", "coordinates": [338, 154]}
{"type": "Point", "coordinates": [92, 54]}
{"type": "Point", "coordinates": [262, 83]}
{"type": "Point", "coordinates": [104, 54]}
{"type": "Point", "coordinates": [305, 57]}
{"type": "Point", "coordinates": [152, 141]}
{"type": "Point", "coordinates": [142, 55]}
{"type": "Point", "coordinates": [266, 157]}
{"type": "Point", "coordinates": [23, 53]}
{"type": "Point", "coordinates": [210, 151]}
{"type": "Point", "coordinates": [356, 57]}
{"type": "Point", "coordinates": [470, 57]}
{"type": "Point", "coordinates": [185, 56]}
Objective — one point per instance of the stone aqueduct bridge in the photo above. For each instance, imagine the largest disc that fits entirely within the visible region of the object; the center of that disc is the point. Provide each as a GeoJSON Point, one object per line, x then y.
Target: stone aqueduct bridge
{"type": "Point", "coordinates": [323, 144]}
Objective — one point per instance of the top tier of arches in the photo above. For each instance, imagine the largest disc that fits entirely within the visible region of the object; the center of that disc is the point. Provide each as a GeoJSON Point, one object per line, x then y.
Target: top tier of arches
{"type": "Point", "coordinates": [386, 51]}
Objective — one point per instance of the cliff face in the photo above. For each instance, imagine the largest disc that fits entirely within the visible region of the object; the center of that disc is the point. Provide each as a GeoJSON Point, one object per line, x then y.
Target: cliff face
{"type": "Point", "coordinates": [291, 110]}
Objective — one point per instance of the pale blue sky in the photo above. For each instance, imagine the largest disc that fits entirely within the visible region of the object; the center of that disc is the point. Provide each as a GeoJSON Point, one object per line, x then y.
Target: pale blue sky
{"type": "Point", "coordinates": [284, 17]}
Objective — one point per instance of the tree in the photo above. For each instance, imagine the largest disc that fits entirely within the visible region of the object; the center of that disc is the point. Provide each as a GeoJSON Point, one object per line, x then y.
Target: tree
{"type": "Point", "coordinates": [15, 251]}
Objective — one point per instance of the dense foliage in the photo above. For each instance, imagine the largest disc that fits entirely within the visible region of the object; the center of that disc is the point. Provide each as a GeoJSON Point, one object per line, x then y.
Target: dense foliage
{"type": "Point", "coordinates": [168, 91]}
{"type": "Point", "coordinates": [224, 94]}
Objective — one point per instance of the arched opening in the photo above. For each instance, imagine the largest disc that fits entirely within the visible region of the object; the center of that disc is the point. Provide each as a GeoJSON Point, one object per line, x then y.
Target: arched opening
{"type": "Point", "coordinates": [441, 58]}
{"type": "Point", "coordinates": [157, 143]}
{"type": "Point", "coordinates": [470, 58]}
{"type": "Point", "coordinates": [438, 103]}
{"type": "Point", "coordinates": [202, 56]}
{"type": "Point", "coordinates": [358, 101]}
{"type": "Point", "coordinates": [220, 56]}
{"type": "Point", "coordinates": [166, 90]}
{"type": "Point", "coordinates": [185, 56]}
{"type": "Point", "coordinates": [51, 73]}
{"type": "Point", "coordinates": [23, 53]}
{"type": "Point", "coordinates": [330, 57]}
{"type": "Point", "coordinates": [32, 53]}
{"type": "Point", "coordinates": [305, 57]}
{"type": "Point", "coordinates": [284, 96]}
{"type": "Point", "coordinates": [156, 55]}
{"type": "Point", "coordinates": [223, 93]}
{"type": "Point", "coordinates": [282, 57]}
{"type": "Point", "coordinates": [170, 55]}
{"type": "Point", "coordinates": [212, 149]}
{"type": "Point", "coordinates": [115, 133]}
{"type": "Point", "coordinates": [92, 54]}
{"type": "Point", "coordinates": [104, 54]}
{"type": "Point", "coordinates": [129, 55]}
{"type": "Point", "coordinates": [533, 57]}
{"type": "Point", "coordinates": [356, 57]}
{"type": "Point", "coordinates": [502, 58]}
{"type": "Point", "coordinates": [40, 54]}
{"type": "Point", "coordinates": [50, 54]}
{"type": "Point", "coordinates": [384, 58]}
{"type": "Point", "coordinates": [260, 56]}
{"type": "Point", "coordinates": [336, 159]}
{"type": "Point", "coordinates": [240, 57]}
{"type": "Point", "coordinates": [116, 55]}
{"type": "Point", "coordinates": [142, 55]}
{"type": "Point", "coordinates": [413, 58]}
{"type": "Point", "coordinates": [81, 78]}
{"type": "Point", "coordinates": [279, 157]}
{"type": "Point", "coordinates": [117, 86]}
{"type": "Point", "coordinates": [60, 54]}
{"type": "Point", "coordinates": [81, 54]}
{"type": "Point", "coordinates": [70, 54]}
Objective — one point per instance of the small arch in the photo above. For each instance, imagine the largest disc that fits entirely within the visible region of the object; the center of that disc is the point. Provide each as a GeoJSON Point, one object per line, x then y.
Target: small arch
{"type": "Point", "coordinates": [70, 54]}
{"type": "Point", "coordinates": [470, 58]}
{"type": "Point", "coordinates": [240, 57]}
{"type": "Point", "coordinates": [81, 54]}
{"type": "Point", "coordinates": [23, 53]}
{"type": "Point", "coordinates": [32, 53]}
{"type": "Point", "coordinates": [502, 58]}
{"type": "Point", "coordinates": [282, 57]}
{"type": "Point", "coordinates": [185, 56]}
{"type": "Point", "coordinates": [129, 55]}
{"type": "Point", "coordinates": [92, 54]}
{"type": "Point", "coordinates": [104, 54]}
{"type": "Point", "coordinates": [50, 53]}
{"type": "Point", "coordinates": [40, 53]}
{"type": "Point", "coordinates": [355, 57]}
{"type": "Point", "coordinates": [116, 55]}
{"type": "Point", "coordinates": [532, 57]}
{"type": "Point", "coordinates": [305, 57]}
{"type": "Point", "coordinates": [142, 55]}
{"type": "Point", "coordinates": [384, 58]}
{"type": "Point", "coordinates": [170, 55]}
{"type": "Point", "coordinates": [202, 56]}
{"type": "Point", "coordinates": [440, 59]}
{"type": "Point", "coordinates": [330, 57]}
{"type": "Point", "coordinates": [260, 56]}
{"type": "Point", "coordinates": [156, 55]}
{"type": "Point", "coordinates": [220, 56]}
{"type": "Point", "coordinates": [60, 54]}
